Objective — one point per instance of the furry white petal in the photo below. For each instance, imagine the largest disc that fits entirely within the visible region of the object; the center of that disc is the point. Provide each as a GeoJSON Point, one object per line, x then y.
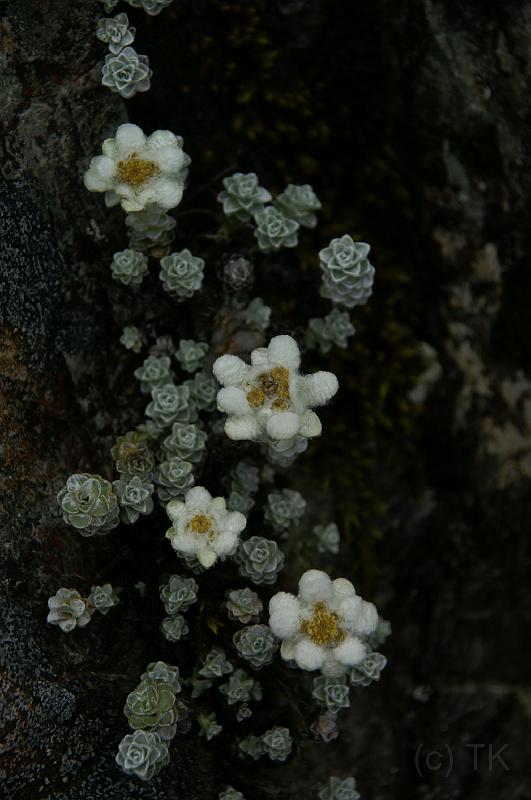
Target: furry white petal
{"type": "Point", "coordinates": [367, 619]}
{"type": "Point", "coordinates": [309, 655]}
{"type": "Point", "coordinates": [182, 542]}
{"type": "Point", "coordinates": [164, 192]}
{"type": "Point", "coordinates": [197, 498]}
{"type": "Point", "coordinates": [240, 428]}
{"type": "Point", "coordinates": [310, 425]}
{"type": "Point", "coordinates": [160, 139]}
{"type": "Point", "coordinates": [206, 558]}
{"type": "Point", "coordinates": [350, 652]}
{"type": "Point", "coordinates": [315, 585]}
{"type": "Point", "coordinates": [129, 137]}
{"type": "Point", "coordinates": [350, 609]}
{"type": "Point", "coordinates": [319, 388]}
{"type": "Point", "coordinates": [174, 509]}
{"type": "Point", "coordinates": [218, 505]}
{"type": "Point", "coordinates": [170, 159]}
{"type": "Point", "coordinates": [343, 587]}
{"type": "Point", "coordinates": [284, 617]}
{"type": "Point", "coordinates": [284, 350]}
{"type": "Point", "coordinates": [259, 356]}
{"type": "Point", "coordinates": [235, 521]}
{"type": "Point", "coordinates": [225, 543]}
{"type": "Point", "coordinates": [283, 425]}
{"type": "Point", "coordinates": [99, 174]}
{"type": "Point", "coordinates": [282, 600]}
{"type": "Point", "coordinates": [233, 400]}
{"type": "Point", "coordinates": [287, 650]}
{"type": "Point", "coordinates": [230, 370]}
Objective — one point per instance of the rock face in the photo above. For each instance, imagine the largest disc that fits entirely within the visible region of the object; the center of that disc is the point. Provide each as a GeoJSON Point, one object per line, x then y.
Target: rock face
{"type": "Point", "coordinates": [411, 121]}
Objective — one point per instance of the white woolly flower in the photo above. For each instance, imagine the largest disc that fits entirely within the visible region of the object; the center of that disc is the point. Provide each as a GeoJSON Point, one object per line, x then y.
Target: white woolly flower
{"type": "Point", "coordinates": [269, 399]}
{"type": "Point", "coordinates": [202, 526]}
{"type": "Point", "coordinates": [324, 626]}
{"type": "Point", "coordinates": [138, 170]}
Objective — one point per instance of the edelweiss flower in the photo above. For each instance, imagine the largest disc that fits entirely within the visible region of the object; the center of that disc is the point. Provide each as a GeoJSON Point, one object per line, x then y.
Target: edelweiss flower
{"type": "Point", "coordinates": [269, 398]}
{"type": "Point", "coordinates": [138, 170]}
{"type": "Point", "coordinates": [323, 627]}
{"type": "Point", "coordinates": [202, 526]}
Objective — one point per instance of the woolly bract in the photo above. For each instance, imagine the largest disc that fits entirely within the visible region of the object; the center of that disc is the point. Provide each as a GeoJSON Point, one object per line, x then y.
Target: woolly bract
{"type": "Point", "coordinates": [269, 399]}
{"type": "Point", "coordinates": [324, 626]}
{"type": "Point", "coordinates": [136, 170]}
{"type": "Point", "coordinates": [202, 526]}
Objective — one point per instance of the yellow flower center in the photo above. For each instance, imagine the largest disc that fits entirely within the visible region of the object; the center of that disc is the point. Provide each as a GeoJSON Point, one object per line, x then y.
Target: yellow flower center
{"type": "Point", "coordinates": [256, 397]}
{"type": "Point", "coordinates": [136, 171]}
{"type": "Point", "coordinates": [273, 385]}
{"type": "Point", "coordinates": [323, 626]}
{"type": "Point", "coordinates": [201, 523]}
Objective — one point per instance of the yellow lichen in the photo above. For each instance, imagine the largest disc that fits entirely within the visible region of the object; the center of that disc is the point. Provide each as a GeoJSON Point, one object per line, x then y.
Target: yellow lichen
{"type": "Point", "coordinates": [136, 171]}
{"type": "Point", "coordinates": [323, 626]}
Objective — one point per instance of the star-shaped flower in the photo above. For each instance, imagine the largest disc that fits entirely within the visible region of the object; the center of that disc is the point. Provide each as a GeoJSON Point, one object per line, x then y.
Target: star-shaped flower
{"type": "Point", "coordinates": [136, 170]}
{"type": "Point", "coordinates": [269, 399]}
{"type": "Point", "coordinates": [324, 627]}
{"type": "Point", "coordinates": [202, 526]}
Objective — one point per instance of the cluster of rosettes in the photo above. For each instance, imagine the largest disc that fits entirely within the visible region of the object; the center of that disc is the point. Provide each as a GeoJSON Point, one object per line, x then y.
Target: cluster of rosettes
{"type": "Point", "coordinates": [209, 726]}
{"type": "Point", "coordinates": [275, 743]}
{"type": "Point", "coordinates": [327, 627]}
{"type": "Point", "coordinates": [173, 478]}
{"type": "Point", "coordinates": [134, 496]}
{"type": "Point", "coordinates": [284, 509]}
{"type": "Point", "coordinates": [242, 482]}
{"type": "Point", "coordinates": [186, 441]}
{"type": "Point", "coordinates": [177, 595]}
{"type": "Point", "coordinates": [151, 7]}
{"type": "Point", "coordinates": [132, 338]}
{"type": "Point", "coordinates": [327, 537]}
{"type": "Point", "coordinates": [256, 644]}
{"type": "Point", "coordinates": [150, 230]}
{"type": "Point", "coordinates": [156, 715]}
{"type": "Point", "coordinates": [259, 559]}
{"type": "Point", "coordinates": [129, 267]}
{"type": "Point", "coordinates": [127, 72]}
{"type": "Point", "coordinates": [334, 329]}
{"type": "Point", "coordinates": [132, 455]}
{"type": "Point", "coordinates": [124, 70]}
{"type": "Point", "coordinates": [347, 274]}
{"type": "Point", "coordinates": [240, 689]}
{"type": "Point", "coordinates": [89, 504]}
{"type": "Point", "coordinates": [339, 789]}
{"type": "Point", "coordinates": [243, 605]}
{"type": "Point", "coordinates": [181, 274]}
{"type": "Point", "coordinates": [277, 225]}
{"type": "Point", "coordinates": [69, 610]}
{"type": "Point", "coordinates": [191, 354]}
{"type": "Point", "coordinates": [230, 793]}
{"type": "Point", "coordinates": [257, 315]}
